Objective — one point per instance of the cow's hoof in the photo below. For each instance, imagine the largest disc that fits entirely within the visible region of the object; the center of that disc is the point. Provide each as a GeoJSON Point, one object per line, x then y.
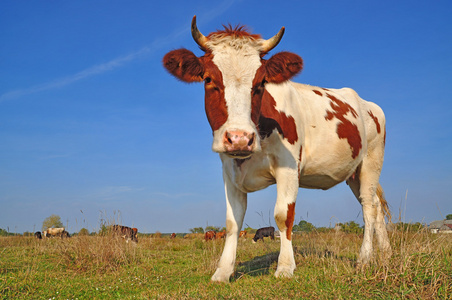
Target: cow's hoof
{"type": "Point", "coordinates": [220, 276]}
{"type": "Point", "coordinates": [284, 272]}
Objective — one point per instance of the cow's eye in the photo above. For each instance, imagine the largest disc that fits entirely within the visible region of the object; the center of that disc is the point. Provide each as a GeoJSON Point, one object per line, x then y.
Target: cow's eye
{"type": "Point", "coordinates": [207, 80]}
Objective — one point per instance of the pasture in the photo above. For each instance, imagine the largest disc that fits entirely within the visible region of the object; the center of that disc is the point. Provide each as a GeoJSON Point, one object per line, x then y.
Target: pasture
{"type": "Point", "coordinates": [96, 267]}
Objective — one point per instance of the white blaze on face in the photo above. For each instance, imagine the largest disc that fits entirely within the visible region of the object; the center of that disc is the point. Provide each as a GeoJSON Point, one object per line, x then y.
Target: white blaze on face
{"type": "Point", "coordinates": [238, 61]}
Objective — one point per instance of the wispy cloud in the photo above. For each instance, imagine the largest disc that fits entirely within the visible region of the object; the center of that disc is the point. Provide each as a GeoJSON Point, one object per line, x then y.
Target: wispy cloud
{"type": "Point", "coordinates": [158, 43]}
{"type": "Point", "coordinates": [111, 192]}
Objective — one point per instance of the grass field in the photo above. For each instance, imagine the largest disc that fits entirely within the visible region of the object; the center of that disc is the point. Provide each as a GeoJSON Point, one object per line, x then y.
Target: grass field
{"type": "Point", "coordinates": [95, 267]}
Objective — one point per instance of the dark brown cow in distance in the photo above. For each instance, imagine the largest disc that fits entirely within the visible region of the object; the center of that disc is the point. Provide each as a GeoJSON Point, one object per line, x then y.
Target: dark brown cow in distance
{"type": "Point", "coordinates": [173, 235]}
{"type": "Point", "coordinates": [210, 235]}
{"type": "Point", "coordinates": [264, 232]}
{"type": "Point", "coordinates": [126, 233]}
{"type": "Point", "coordinates": [38, 235]}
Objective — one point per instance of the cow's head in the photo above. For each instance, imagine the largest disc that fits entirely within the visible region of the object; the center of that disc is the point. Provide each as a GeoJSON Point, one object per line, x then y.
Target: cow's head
{"type": "Point", "coordinates": [234, 74]}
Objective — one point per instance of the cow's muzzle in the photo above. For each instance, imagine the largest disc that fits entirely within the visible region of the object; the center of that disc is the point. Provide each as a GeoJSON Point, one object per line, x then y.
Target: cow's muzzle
{"type": "Point", "coordinates": [239, 144]}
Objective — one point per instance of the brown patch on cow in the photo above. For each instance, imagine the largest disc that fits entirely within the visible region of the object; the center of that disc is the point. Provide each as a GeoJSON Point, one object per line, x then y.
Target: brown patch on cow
{"type": "Point", "coordinates": [282, 66]}
{"type": "Point", "coordinates": [289, 220]}
{"type": "Point", "coordinates": [375, 120]}
{"type": "Point", "coordinates": [318, 92]}
{"type": "Point", "coordinates": [215, 102]}
{"type": "Point", "coordinates": [345, 128]}
{"type": "Point", "coordinates": [184, 65]}
{"type": "Point", "coordinates": [271, 119]}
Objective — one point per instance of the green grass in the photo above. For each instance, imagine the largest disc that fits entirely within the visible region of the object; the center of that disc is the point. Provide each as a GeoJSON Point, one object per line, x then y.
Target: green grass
{"type": "Point", "coordinates": [94, 267]}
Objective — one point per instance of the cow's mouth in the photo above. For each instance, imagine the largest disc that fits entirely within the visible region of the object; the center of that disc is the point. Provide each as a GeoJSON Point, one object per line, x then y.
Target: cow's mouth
{"type": "Point", "coordinates": [239, 154]}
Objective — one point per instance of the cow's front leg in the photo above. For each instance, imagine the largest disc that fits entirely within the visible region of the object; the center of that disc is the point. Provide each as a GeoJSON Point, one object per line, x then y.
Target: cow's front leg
{"type": "Point", "coordinates": [236, 201]}
{"type": "Point", "coordinates": [287, 189]}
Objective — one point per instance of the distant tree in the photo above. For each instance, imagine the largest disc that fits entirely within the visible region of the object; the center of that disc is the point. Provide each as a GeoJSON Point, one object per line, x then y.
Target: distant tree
{"type": "Point", "coordinates": [83, 231]}
{"type": "Point", "coordinates": [413, 227]}
{"type": "Point", "coordinates": [303, 226]}
{"type": "Point", "coordinates": [104, 228]}
{"type": "Point", "coordinates": [197, 230]}
{"type": "Point", "coordinates": [351, 227]}
{"type": "Point", "coordinates": [214, 228]}
{"type": "Point", "coordinates": [54, 221]}
{"type": "Point", "coordinates": [250, 230]}
{"type": "Point", "coordinates": [449, 217]}
{"type": "Point", "coordinates": [3, 232]}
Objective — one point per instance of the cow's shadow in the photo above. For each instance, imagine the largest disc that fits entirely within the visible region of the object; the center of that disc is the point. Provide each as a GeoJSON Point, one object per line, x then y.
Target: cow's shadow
{"type": "Point", "coordinates": [259, 265]}
{"type": "Point", "coordinates": [262, 265]}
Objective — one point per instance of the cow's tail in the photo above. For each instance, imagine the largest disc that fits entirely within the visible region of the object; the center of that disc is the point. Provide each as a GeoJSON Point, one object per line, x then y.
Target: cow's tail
{"type": "Point", "coordinates": [384, 204]}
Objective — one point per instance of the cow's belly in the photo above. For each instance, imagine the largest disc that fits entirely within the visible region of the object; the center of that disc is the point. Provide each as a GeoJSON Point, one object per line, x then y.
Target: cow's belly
{"type": "Point", "coordinates": [323, 182]}
{"type": "Point", "coordinates": [326, 174]}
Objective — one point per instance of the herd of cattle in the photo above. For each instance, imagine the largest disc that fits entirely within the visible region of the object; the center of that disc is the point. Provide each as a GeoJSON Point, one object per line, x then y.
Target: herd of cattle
{"type": "Point", "coordinates": [131, 234]}
{"type": "Point", "coordinates": [127, 233]}
{"type": "Point", "coordinates": [260, 234]}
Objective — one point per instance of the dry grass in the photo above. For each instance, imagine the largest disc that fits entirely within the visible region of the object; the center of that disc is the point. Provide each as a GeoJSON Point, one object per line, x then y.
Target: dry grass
{"type": "Point", "coordinates": [97, 267]}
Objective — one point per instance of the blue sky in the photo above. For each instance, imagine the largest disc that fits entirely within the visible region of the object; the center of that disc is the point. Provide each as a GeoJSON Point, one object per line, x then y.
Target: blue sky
{"type": "Point", "coordinates": [92, 127]}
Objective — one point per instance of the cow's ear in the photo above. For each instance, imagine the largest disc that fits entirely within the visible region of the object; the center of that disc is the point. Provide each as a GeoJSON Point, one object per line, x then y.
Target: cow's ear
{"type": "Point", "coordinates": [282, 66]}
{"type": "Point", "coordinates": [184, 65]}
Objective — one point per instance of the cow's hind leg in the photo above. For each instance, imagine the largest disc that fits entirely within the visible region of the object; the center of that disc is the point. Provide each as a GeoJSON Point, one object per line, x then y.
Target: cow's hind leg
{"type": "Point", "coordinates": [365, 186]}
{"type": "Point", "coordinates": [236, 202]}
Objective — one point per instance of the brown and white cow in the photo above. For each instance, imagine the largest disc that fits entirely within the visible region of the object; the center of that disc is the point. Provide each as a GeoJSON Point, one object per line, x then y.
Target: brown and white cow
{"type": "Point", "coordinates": [221, 235]}
{"type": "Point", "coordinates": [210, 235]}
{"type": "Point", "coordinates": [126, 233]}
{"type": "Point", "coordinates": [53, 232]}
{"type": "Point", "coordinates": [270, 130]}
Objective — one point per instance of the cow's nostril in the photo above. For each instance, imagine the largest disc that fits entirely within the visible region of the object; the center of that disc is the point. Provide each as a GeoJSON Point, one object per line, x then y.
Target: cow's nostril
{"type": "Point", "coordinates": [251, 140]}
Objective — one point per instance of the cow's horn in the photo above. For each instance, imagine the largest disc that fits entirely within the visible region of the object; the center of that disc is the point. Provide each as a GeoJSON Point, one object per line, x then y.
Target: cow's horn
{"type": "Point", "coordinates": [271, 43]}
{"type": "Point", "coordinates": [199, 38]}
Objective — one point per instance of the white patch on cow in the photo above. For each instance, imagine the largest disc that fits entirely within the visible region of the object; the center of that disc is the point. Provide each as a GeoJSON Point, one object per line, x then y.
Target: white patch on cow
{"type": "Point", "coordinates": [238, 61]}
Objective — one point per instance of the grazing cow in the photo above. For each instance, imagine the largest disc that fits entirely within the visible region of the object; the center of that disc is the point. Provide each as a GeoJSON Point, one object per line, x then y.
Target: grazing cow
{"type": "Point", "coordinates": [126, 233]}
{"type": "Point", "coordinates": [53, 232]}
{"type": "Point", "coordinates": [173, 235]}
{"type": "Point", "coordinates": [270, 130]}
{"type": "Point", "coordinates": [221, 235]}
{"type": "Point", "coordinates": [264, 232]}
{"type": "Point", "coordinates": [38, 235]}
{"type": "Point", "coordinates": [210, 235]}
{"type": "Point", "coordinates": [242, 234]}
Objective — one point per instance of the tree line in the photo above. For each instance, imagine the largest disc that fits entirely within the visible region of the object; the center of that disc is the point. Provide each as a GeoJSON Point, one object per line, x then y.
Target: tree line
{"type": "Point", "coordinates": [54, 221]}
